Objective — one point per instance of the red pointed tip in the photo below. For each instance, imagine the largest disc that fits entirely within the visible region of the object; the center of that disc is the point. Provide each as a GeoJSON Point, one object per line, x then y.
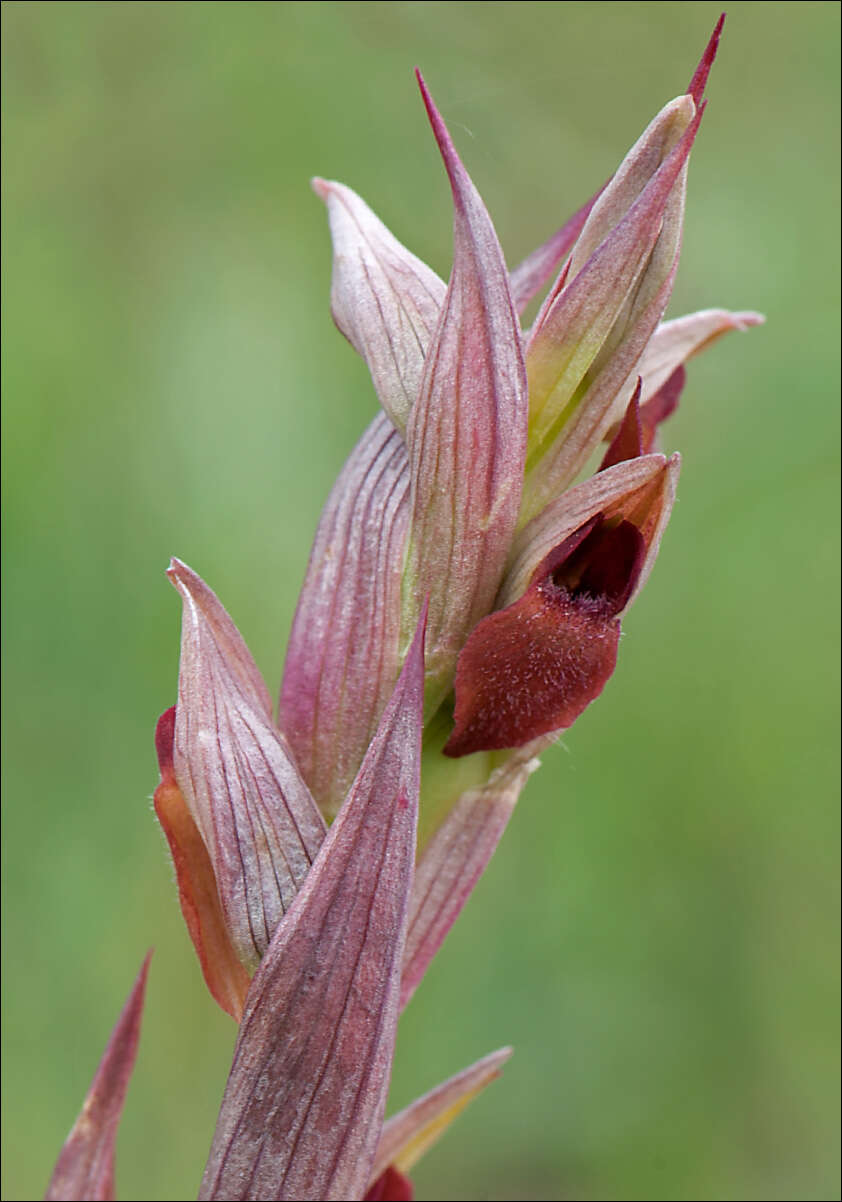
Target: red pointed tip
{"type": "Point", "coordinates": [164, 738]}
{"type": "Point", "coordinates": [425, 95]}
{"type": "Point", "coordinates": [440, 131]}
{"type": "Point", "coordinates": [126, 1033]}
{"type": "Point", "coordinates": [133, 1009]}
{"type": "Point", "coordinates": [700, 77]}
{"type": "Point", "coordinates": [661, 406]}
{"type": "Point", "coordinates": [85, 1167]}
{"type": "Point", "coordinates": [627, 443]}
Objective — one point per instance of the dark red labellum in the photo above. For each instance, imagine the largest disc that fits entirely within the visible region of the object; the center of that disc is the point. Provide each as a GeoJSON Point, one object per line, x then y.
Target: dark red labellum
{"type": "Point", "coordinates": [627, 443]}
{"type": "Point", "coordinates": [533, 667]}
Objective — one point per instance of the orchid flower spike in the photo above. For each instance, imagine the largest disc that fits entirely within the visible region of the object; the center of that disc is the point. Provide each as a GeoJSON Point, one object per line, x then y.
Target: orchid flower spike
{"type": "Point", "coordinates": [462, 605]}
{"type": "Point", "coordinates": [470, 491]}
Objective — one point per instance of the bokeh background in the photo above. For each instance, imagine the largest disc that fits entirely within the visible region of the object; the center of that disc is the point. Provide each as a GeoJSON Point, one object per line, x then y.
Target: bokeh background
{"type": "Point", "coordinates": [657, 934]}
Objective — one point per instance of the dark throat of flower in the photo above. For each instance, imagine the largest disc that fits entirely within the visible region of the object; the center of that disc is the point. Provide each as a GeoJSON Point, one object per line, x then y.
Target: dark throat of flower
{"type": "Point", "coordinates": [600, 570]}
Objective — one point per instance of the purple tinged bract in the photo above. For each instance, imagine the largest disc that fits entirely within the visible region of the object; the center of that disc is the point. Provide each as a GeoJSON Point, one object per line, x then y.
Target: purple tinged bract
{"type": "Point", "coordinates": [257, 817]}
{"type": "Point", "coordinates": [466, 436]}
{"type": "Point", "coordinates": [84, 1171]}
{"type": "Point", "coordinates": [304, 1104]}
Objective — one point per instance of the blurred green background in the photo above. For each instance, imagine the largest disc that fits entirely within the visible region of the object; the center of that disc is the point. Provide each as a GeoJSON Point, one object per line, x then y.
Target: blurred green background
{"type": "Point", "coordinates": [657, 934]}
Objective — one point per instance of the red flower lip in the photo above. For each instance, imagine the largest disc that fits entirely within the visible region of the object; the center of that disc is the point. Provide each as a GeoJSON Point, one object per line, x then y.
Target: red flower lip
{"type": "Point", "coordinates": [533, 667]}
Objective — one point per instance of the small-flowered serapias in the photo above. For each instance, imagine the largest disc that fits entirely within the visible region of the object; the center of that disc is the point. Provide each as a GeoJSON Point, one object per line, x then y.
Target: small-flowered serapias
{"type": "Point", "coordinates": [462, 605]}
{"type": "Point", "coordinates": [471, 492]}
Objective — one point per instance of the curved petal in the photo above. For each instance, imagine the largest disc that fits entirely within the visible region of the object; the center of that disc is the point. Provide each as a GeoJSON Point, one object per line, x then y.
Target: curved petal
{"type": "Point", "coordinates": [224, 975]}
{"type": "Point", "coordinates": [676, 341]}
{"type": "Point", "coordinates": [384, 300]}
{"type": "Point", "coordinates": [257, 818]}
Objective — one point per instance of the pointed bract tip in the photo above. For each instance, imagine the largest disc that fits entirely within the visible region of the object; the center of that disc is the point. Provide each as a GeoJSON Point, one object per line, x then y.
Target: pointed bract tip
{"type": "Point", "coordinates": [700, 77]}
{"type": "Point", "coordinates": [140, 982]}
{"type": "Point", "coordinates": [178, 570]}
{"type": "Point", "coordinates": [85, 1166]}
{"type": "Point", "coordinates": [429, 103]}
{"type": "Point", "coordinates": [183, 579]}
{"type": "Point", "coordinates": [320, 186]}
{"type": "Point", "coordinates": [409, 1135]}
{"type": "Point", "coordinates": [448, 151]}
{"type": "Point", "coordinates": [628, 442]}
